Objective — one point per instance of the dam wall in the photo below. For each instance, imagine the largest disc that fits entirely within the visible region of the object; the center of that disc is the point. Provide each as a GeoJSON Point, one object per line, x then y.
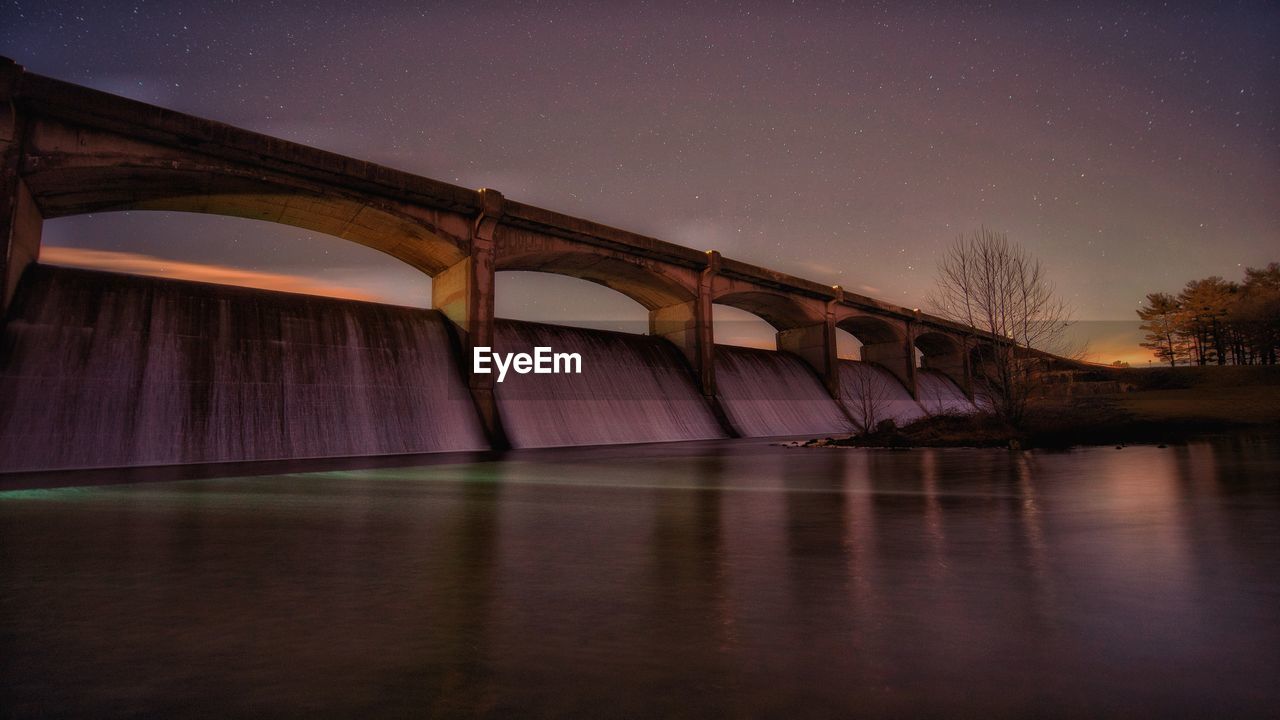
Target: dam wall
{"type": "Point", "coordinates": [938, 395]}
{"type": "Point", "coordinates": [632, 389]}
{"type": "Point", "coordinates": [871, 394]}
{"type": "Point", "coordinates": [103, 370]}
{"type": "Point", "coordinates": [766, 393]}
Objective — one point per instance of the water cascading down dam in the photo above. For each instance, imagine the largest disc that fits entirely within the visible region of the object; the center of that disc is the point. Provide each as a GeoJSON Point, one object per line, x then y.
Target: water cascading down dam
{"type": "Point", "coordinates": [108, 370]}
{"type": "Point", "coordinates": [633, 388]}
{"type": "Point", "coordinates": [104, 370]}
{"type": "Point", "coordinates": [767, 393]}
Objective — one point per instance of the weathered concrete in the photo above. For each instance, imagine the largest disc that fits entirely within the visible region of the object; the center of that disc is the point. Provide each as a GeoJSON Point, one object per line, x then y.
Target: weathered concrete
{"type": "Point", "coordinates": [946, 354]}
{"type": "Point", "coordinates": [20, 219]}
{"type": "Point", "coordinates": [886, 341]}
{"type": "Point", "coordinates": [20, 225]}
{"type": "Point", "coordinates": [67, 150]}
{"type": "Point", "coordinates": [464, 292]}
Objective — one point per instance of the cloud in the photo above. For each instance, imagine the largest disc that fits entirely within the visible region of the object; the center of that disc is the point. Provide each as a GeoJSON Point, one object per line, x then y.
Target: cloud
{"type": "Point", "coordinates": [138, 264]}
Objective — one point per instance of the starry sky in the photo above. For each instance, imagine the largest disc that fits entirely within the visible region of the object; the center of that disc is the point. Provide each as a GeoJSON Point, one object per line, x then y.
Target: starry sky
{"type": "Point", "coordinates": [1131, 147]}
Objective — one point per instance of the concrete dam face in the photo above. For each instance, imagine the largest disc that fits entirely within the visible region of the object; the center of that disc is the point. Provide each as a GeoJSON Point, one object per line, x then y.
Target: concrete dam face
{"type": "Point", "coordinates": [768, 393]}
{"type": "Point", "coordinates": [106, 370]}
{"type": "Point", "coordinates": [633, 388]}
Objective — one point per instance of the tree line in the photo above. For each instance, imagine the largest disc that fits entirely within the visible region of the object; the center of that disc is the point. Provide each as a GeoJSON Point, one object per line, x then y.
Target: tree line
{"type": "Point", "coordinates": [1215, 321]}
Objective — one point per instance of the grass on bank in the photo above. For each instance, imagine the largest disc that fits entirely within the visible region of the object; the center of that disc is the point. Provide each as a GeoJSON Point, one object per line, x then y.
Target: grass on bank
{"type": "Point", "coordinates": [1165, 405]}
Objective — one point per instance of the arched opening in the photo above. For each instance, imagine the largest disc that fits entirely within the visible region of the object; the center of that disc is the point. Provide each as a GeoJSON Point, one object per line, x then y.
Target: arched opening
{"type": "Point", "coordinates": [563, 300]}
{"type": "Point", "coordinates": [413, 236]}
{"type": "Point", "coordinates": [937, 350]}
{"type": "Point", "coordinates": [754, 318]}
{"type": "Point", "coordinates": [740, 328]}
{"type": "Point", "coordinates": [859, 331]}
{"type": "Point", "coordinates": [229, 250]}
{"type": "Point", "coordinates": [981, 354]}
{"type": "Point", "coordinates": [942, 383]}
{"type": "Point", "coordinates": [780, 311]}
{"type": "Point", "coordinates": [848, 346]}
{"type": "Point", "coordinates": [644, 285]}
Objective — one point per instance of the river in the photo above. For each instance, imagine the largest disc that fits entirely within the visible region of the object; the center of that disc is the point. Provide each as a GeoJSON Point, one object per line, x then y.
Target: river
{"type": "Point", "coordinates": [695, 579]}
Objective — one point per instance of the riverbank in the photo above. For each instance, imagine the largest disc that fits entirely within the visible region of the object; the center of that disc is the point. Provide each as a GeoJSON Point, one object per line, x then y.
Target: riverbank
{"type": "Point", "coordinates": [1166, 405]}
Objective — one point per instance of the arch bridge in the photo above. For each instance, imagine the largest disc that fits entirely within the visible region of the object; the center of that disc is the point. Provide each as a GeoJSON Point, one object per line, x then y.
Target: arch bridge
{"type": "Point", "coordinates": [68, 150]}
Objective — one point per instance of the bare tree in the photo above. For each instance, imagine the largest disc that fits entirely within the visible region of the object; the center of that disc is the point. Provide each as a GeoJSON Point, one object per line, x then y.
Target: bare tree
{"type": "Point", "coordinates": [996, 287]}
{"type": "Point", "coordinates": [868, 397]}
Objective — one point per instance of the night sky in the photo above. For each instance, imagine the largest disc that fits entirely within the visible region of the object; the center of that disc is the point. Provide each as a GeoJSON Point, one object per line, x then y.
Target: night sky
{"type": "Point", "coordinates": [1131, 149]}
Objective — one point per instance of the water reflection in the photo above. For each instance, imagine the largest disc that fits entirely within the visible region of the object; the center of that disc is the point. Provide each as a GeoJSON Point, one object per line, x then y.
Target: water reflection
{"type": "Point", "coordinates": [710, 579]}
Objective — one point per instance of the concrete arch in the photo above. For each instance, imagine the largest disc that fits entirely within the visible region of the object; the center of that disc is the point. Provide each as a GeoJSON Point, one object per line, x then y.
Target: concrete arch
{"type": "Point", "coordinates": [872, 330]}
{"type": "Point", "coordinates": [783, 312]}
{"type": "Point", "coordinates": [937, 346]}
{"type": "Point", "coordinates": [946, 354]}
{"type": "Point", "coordinates": [643, 284]}
{"type": "Point", "coordinates": [77, 190]}
{"type": "Point", "coordinates": [884, 342]}
{"type": "Point", "coordinates": [981, 353]}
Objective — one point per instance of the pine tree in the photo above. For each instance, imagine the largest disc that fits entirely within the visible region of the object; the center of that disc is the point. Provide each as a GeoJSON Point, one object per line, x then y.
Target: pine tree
{"type": "Point", "coordinates": [1162, 320]}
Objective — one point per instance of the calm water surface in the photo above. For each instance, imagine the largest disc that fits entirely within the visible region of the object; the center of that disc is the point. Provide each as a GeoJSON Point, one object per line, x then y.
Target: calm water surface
{"type": "Point", "coordinates": [732, 578]}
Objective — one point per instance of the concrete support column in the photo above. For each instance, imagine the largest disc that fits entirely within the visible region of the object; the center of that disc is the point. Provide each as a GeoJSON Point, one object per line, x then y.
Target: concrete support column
{"type": "Point", "coordinates": [464, 293]}
{"type": "Point", "coordinates": [956, 368]}
{"type": "Point", "coordinates": [688, 326]}
{"type": "Point", "coordinates": [20, 220]}
{"type": "Point", "coordinates": [896, 356]}
{"type": "Point", "coordinates": [816, 344]}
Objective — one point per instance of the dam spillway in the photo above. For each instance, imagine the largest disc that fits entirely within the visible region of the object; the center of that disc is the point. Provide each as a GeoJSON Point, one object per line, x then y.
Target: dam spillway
{"type": "Point", "coordinates": [632, 389]}
{"type": "Point", "coordinates": [871, 393]}
{"type": "Point", "coordinates": [767, 393]}
{"type": "Point", "coordinates": [938, 395]}
{"type": "Point", "coordinates": [104, 370]}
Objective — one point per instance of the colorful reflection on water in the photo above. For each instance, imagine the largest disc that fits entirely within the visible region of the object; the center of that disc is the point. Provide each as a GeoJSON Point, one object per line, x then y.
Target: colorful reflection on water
{"type": "Point", "coordinates": [697, 579]}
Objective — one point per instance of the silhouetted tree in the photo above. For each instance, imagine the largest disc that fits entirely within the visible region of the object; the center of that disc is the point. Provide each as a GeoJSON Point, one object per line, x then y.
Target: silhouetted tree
{"type": "Point", "coordinates": [1256, 315]}
{"type": "Point", "coordinates": [1213, 320]}
{"type": "Point", "coordinates": [988, 283]}
{"type": "Point", "coordinates": [1162, 321]}
{"type": "Point", "coordinates": [868, 397]}
{"type": "Point", "coordinates": [1205, 304]}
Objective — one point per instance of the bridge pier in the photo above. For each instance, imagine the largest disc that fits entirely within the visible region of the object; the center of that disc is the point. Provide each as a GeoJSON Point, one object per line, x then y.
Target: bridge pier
{"type": "Point", "coordinates": [816, 345]}
{"type": "Point", "coordinates": [688, 326]}
{"type": "Point", "coordinates": [948, 354]}
{"type": "Point", "coordinates": [896, 356]}
{"type": "Point", "coordinates": [956, 369]}
{"type": "Point", "coordinates": [464, 293]}
{"type": "Point", "coordinates": [20, 219]}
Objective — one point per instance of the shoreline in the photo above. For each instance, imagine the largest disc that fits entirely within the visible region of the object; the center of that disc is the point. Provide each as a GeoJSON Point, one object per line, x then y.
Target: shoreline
{"type": "Point", "coordinates": [1156, 415]}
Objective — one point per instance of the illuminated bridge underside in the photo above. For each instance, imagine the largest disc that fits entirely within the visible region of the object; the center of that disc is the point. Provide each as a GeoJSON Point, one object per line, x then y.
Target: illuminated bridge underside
{"type": "Point", "coordinates": [68, 150]}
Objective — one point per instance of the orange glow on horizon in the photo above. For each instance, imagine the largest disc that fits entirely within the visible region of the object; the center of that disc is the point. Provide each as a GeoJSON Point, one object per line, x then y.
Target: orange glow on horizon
{"type": "Point", "coordinates": [138, 264]}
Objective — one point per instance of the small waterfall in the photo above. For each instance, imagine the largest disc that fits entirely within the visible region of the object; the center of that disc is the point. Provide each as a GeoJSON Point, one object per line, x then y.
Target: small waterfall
{"type": "Point", "coordinates": [633, 388]}
{"type": "Point", "coordinates": [766, 393]}
{"type": "Point", "coordinates": [938, 395]}
{"type": "Point", "coordinates": [98, 369]}
{"type": "Point", "coordinates": [872, 394]}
